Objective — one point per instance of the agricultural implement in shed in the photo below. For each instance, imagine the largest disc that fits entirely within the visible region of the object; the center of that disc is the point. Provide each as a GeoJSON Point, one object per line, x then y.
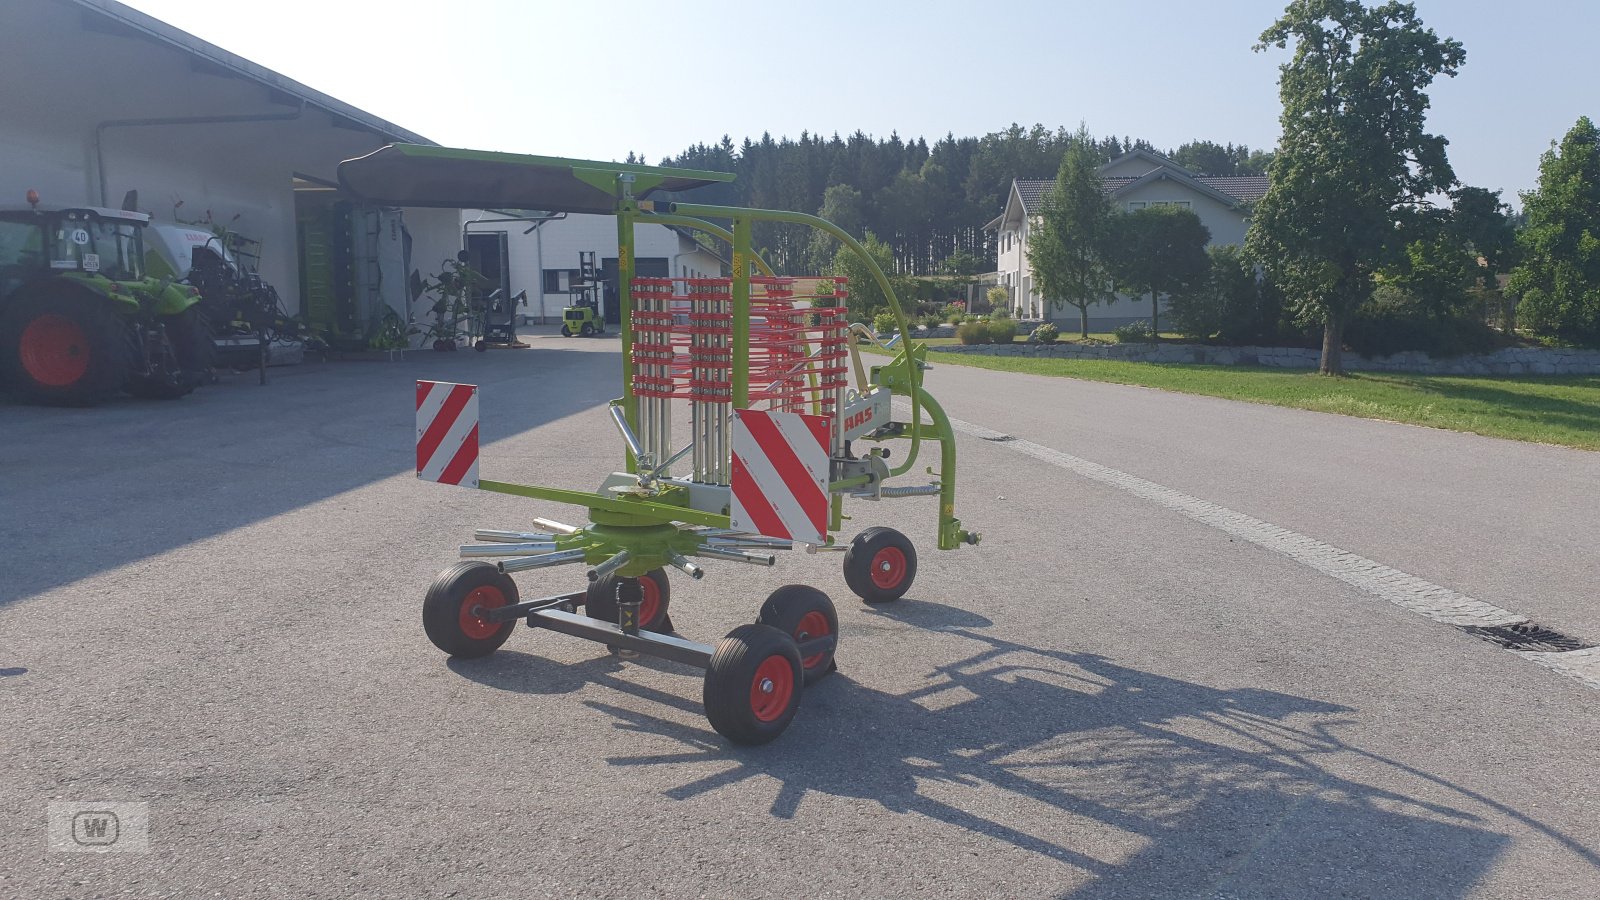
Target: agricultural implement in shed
{"type": "Point", "coordinates": [767, 376]}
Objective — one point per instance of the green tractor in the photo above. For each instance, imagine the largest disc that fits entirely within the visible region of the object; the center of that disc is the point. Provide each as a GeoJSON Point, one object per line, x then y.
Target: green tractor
{"type": "Point", "coordinates": [79, 318]}
{"type": "Point", "coordinates": [583, 316]}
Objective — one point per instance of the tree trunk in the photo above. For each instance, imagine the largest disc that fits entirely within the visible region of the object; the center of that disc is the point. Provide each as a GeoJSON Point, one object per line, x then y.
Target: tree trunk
{"type": "Point", "coordinates": [1155, 312]}
{"type": "Point", "coordinates": [1083, 321]}
{"type": "Point", "coordinates": [1332, 345]}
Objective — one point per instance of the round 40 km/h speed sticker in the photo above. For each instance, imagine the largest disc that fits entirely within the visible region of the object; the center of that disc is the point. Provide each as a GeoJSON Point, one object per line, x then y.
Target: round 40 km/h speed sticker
{"type": "Point", "coordinates": [80, 236]}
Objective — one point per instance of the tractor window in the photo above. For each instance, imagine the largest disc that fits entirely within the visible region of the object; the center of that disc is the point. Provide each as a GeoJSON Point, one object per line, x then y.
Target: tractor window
{"type": "Point", "coordinates": [21, 254]}
{"type": "Point", "coordinates": [117, 246]}
{"type": "Point", "coordinates": [21, 244]}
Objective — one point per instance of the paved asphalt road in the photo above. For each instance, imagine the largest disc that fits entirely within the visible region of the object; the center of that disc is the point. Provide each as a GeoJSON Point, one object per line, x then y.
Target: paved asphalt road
{"type": "Point", "coordinates": [212, 607]}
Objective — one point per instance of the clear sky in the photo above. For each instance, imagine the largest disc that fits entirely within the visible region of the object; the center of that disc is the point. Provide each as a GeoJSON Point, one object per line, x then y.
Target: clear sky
{"type": "Point", "coordinates": [600, 79]}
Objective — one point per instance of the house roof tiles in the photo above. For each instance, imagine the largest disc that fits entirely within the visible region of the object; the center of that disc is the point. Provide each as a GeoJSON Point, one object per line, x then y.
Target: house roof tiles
{"type": "Point", "coordinates": [1244, 188]}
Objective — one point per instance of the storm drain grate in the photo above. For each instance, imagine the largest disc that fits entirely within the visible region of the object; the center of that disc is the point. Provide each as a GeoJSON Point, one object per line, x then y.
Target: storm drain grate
{"type": "Point", "coordinates": [1527, 637]}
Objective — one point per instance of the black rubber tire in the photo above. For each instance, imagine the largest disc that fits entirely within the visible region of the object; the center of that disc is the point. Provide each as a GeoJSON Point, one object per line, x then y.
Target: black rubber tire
{"type": "Point", "coordinates": [105, 342]}
{"type": "Point", "coordinates": [481, 346]}
{"type": "Point", "coordinates": [439, 346]}
{"type": "Point", "coordinates": [443, 611]}
{"type": "Point", "coordinates": [177, 374]}
{"type": "Point", "coordinates": [587, 330]}
{"type": "Point", "coordinates": [866, 552]}
{"type": "Point", "coordinates": [601, 601]}
{"type": "Point", "coordinates": [192, 341]}
{"type": "Point", "coordinates": [793, 610]}
{"type": "Point", "coordinates": [565, 331]}
{"type": "Point", "coordinates": [731, 681]}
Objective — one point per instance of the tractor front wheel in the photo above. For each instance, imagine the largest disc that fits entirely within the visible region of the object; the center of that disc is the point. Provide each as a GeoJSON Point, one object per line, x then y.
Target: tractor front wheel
{"type": "Point", "coordinates": [588, 329]}
{"type": "Point", "coordinates": [63, 348]}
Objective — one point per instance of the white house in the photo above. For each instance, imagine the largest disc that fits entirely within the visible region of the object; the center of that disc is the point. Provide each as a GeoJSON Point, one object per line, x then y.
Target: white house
{"type": "Point", "coordinates": [101, 99]}
{"type": "Point", "coordinates": [1134, 180]}
{"type": "Point", "coordinates": [539, 253]}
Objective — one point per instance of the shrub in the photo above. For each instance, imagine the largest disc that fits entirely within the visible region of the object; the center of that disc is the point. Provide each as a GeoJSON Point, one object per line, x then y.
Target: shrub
{"type": "Point", "coordinates": [1046, 333]}
{"type": "Point", "coordinates": [1137, 332]}
{"type": "Point", "coordinates": [972, 333]}
{"type": "Point", "coordinates": [1395, 321]}
{"type": "Point", "coordinates": [1231, 303]}
{"type": "Point", "coordinates": [998, 297]}
{"type": "Point", "coordinates": [955, 315]}
{"type": "Point", "coordinates": [932, 321]}
{"type": "Point", "coordinates": [883, 323]}
{"type": "Point", "coordinates": [1001, 312]}
{"type": "Point", "coordinates": [969, 318]}
{"type": "Point", "coordinates": [1001, 331]}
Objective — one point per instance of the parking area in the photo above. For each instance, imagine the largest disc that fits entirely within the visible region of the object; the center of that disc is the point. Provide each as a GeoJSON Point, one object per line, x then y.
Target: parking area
{"type": "Point", "coordinates": [213, 607]}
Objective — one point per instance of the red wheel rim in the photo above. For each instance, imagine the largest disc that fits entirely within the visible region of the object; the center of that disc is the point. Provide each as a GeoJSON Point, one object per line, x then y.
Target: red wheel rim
{"type": "Point", "coordinates": [486, 597]}
{"type": "Point", "coordinates": [649, 602]}
{"type": "Point", "coordinates": [772, 688]}
{"type": "Point", "coordinates": [888, 568]}
{"type": "Point", "coordinates": [54, 350]}
{"type": "Point", "coordinates": [812, 625]}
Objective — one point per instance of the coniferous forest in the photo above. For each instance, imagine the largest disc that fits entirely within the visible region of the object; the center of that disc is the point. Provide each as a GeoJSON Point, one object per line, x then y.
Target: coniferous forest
{"type": "Point", "coordinates": [927, 202]}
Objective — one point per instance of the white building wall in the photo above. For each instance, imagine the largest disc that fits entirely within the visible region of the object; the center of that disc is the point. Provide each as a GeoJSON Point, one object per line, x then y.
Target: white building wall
{"type": "Point", "coordinates": [67, 85]}
{"type": "Point", "coordinates": [556, 244]}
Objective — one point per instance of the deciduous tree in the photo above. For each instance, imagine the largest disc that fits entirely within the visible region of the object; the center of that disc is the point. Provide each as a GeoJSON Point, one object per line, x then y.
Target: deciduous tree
{"type": "Point", "coordinates": [1159, 250]}
{"type": "Point", "coordinates": [1067, 247]}
{"type": "Point", "coordinates": [1355, 155]}
{"type": "Point", "coordinates": [1559, 279]}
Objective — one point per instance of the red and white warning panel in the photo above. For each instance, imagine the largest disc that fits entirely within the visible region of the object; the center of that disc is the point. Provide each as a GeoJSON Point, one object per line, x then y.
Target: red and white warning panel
{"type": "Point", "coordinates": [447, 432]}
{"type": "Point", "coordinates": [780, 475]}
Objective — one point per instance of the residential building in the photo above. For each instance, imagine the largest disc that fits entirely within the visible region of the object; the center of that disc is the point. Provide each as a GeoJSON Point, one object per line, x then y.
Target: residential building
{"type": "Point", "coordinates": [1133, 181]}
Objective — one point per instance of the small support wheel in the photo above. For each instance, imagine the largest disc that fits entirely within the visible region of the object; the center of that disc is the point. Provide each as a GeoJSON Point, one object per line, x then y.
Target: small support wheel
{"type": "Point", "coordinates": [804, 613]}
{"type": "Point", "coordinates": [456, 599]}
{"type": "Point", "coordinates": [752, 688]}
{"type": "Point", "coordinates": [587, 330]}
{"type": "Point", "coordinates": [880, 565]}
{"type": "Point", "coordinates": [655, 593]}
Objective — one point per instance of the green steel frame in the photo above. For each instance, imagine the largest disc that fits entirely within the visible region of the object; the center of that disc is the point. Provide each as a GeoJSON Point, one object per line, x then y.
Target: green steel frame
{"type": "Point", "coordinates": [642, 523]}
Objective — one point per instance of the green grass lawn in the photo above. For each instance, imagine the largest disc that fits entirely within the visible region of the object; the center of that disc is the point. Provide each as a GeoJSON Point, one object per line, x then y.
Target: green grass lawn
{"type": "Point", "coordinates": [1551, 410]}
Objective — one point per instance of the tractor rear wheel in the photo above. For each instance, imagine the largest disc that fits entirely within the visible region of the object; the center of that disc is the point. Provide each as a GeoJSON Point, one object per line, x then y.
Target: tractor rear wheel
{"type": "Point", "coordinates": [179, 360]}
{"type": "Point", "coordinates": [565, 331]}
{"type": "Point", "coordinates": [63, 348]}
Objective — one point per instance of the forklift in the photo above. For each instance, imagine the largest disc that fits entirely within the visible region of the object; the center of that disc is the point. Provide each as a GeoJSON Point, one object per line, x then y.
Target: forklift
{"type": "Point", "coordinates": [584, 316]}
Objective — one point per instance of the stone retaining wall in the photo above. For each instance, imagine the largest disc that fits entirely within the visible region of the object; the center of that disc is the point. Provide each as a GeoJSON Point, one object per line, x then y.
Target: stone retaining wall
{"type": "Point", "coordinates": [1510, 361]}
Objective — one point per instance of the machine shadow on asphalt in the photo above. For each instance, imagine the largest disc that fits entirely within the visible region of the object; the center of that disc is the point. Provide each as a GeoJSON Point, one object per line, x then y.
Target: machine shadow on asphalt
{"type": "Point", "coordinates": [1077, 735]}
{"type": "Point", "coordinates": [139, 478]}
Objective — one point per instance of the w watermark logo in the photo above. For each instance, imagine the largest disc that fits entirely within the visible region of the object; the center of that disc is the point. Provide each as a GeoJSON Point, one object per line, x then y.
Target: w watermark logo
{"type": "Point", "coordinates": [99, 827]}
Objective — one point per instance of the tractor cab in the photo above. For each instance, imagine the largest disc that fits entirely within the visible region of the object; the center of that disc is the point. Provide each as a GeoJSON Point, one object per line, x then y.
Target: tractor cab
{"type": "Point", "coordinates": [108, 243]}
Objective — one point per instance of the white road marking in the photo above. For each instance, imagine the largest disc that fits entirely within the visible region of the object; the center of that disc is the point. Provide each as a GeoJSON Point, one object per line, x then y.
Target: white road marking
{"type": "Point", "coordinates": [1417, 595]}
